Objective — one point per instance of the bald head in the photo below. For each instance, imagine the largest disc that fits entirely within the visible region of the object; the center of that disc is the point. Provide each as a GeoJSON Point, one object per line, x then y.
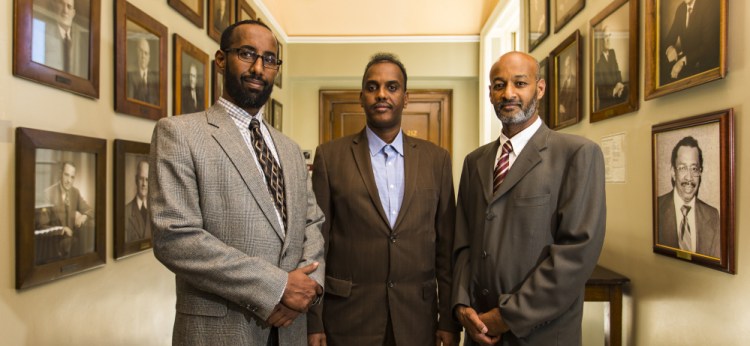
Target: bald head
{"type": "Point", "coordinates": [517, 61]}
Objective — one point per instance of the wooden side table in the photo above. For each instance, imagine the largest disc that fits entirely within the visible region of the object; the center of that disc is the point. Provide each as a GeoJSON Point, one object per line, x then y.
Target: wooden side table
{"type": "Point", "coordinates": [606, 286]}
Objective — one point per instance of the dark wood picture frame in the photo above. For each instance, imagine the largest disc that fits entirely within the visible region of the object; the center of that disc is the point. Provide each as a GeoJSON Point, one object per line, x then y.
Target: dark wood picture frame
{"type": "Point", "coordinates": [537, 22]}
{"type": "Point", "coordinates": [72, 67]}
{"type": "Point", "coordinates": [51, 244]}
{"type": "Point", "coordinates": [711, 190]}
{"type": "Point", "coordinates": [277, 114]}
{"type": "Point", "coordinates": [613, 92]}
{"type": "Point", "coordinates": [245, 11]}
{"type": "Point", "coordinates": [217, 81]}
{"type": "Point", "coordinates": [565, 10]}
{"type": "Point", "coordinates": [183, 49]}
{"type": "Point", "coordinates": [216, 22]}
{"type": "Point", "coordinates": [543, 107]}
{"type": "Point", "coordinates": [694, 62]}
{"type": "Point", "coordinates": [129, 240]}
{"type": "Point", "coordinates": [194, 15]}
{"type": "Point", "coordinates": [571, 53]}
{"type": "Point", "coordinates": [280, 76]}
{"type": "Point", "coordinates": [137, 35]}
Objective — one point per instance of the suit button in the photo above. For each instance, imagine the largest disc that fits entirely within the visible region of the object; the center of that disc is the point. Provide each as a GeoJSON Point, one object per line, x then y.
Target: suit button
{"type": "Point", "coordinates": [485, 292]}
{"type": "Point", "coordinates": [490, 216]}
{"type": "Point", "coordinates": [391, 284]}
{"type": "Point", "coordinates": [484, 254]}
{"type": "Point", "coordinates": [392, 238]}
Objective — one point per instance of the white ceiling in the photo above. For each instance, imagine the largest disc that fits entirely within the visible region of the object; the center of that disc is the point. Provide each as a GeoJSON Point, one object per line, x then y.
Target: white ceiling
{"type": "Point", "coordinates": [378, 18]}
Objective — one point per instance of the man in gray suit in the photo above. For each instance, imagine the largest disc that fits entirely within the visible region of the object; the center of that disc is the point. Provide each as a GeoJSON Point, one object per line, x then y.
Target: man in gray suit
{"type": "Point", "coordinates": [247, 255]}
{"type": "Point", "coordinates": [528, 232]}
{"type": "Point", "coordinates": [137, 223]}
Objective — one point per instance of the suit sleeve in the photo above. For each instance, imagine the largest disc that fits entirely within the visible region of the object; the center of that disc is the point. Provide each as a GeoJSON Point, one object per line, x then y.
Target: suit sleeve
{"type": "Point", "coordinates": [321, 187]}
{"type": "Point", "coordinates": [314, 246]}
{"type": "Point", "coordinates": [558, 280]}
{"type": "Point", "coordinates": [445, 221]}
{"type": "Point", "coordinates": [461, 246]}
{"type": "Point", "coordinates": [182, 245]}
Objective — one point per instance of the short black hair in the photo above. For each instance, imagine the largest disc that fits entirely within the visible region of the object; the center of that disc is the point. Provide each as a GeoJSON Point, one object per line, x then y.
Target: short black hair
{"type": "Point", "coordinates": [691, 142]}
{"type": "Point", "coordinates": [226, 36]}
{"type": "Point", "coordinates": [385, 57]}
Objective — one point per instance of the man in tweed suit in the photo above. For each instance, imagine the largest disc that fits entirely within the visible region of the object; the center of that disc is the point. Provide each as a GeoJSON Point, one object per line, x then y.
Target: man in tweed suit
{"type": "Point", "coordinates": [246, 270]}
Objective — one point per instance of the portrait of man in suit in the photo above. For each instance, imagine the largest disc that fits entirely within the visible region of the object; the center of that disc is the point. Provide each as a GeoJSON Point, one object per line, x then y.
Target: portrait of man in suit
{"type": "Point", "coordinates": [143, 79]}
{"type": "Point", "coordinates": [137, 222]}
{"type": "Point", "coordinates": [221, 15]}
{"type": "Point", "coordinates": [233, 212]}
{"type": "Point", "coordinates": [60, 38]}
{"type": "Point", "coordinates": [567, 93]}
{"type": "Point", "coordinates": [192, 91]}
{"type": "Point", "coordinates": [610, 88]}
{"type": "Point", "coordinates": [685, 221]}
{"type": "Point", "coordinates": [691, 40]}
{"type": "Point", "coordinates": [530, 221]}
{"type": "Point", "coordinates": [66, 221]}
{"type": "Point", "coordinates": [389, 205]}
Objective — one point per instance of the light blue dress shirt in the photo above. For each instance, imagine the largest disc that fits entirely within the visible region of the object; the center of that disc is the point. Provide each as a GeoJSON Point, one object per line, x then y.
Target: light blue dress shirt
{"type": "Point", "coordinates": [388, 168]}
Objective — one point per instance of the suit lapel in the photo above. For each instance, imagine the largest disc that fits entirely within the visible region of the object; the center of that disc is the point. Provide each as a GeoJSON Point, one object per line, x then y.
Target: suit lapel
{"type": "Point", "coordinates": [286, 152]}
{"type": "Point", "coordinates": [361, 152]}
{"type": "Point", "coordinates": [486, 168]}
{"type": "Point", "coordinates": [411, 165]}
{"type": "Point", "coordinates": [528, 158]}
{"type": "Point", "coordinates": [231, 141]}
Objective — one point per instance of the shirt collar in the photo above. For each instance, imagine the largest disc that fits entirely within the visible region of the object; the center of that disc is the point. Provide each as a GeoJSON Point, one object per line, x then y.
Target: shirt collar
{"type": "Point", "coordinates": [240, 114]}
{"type": "Point", "coordinates": [376, 144]}
{"type": "Point", "coordinates": [522, 138]}
{"type": "Point", "coordinates": [678, 202]}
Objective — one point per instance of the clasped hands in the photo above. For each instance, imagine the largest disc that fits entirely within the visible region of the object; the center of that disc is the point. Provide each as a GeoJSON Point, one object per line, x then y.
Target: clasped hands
{"type": "Point", "coordinates": [485, 328]}
{"type": "Point", "coordinates": [300, 293]}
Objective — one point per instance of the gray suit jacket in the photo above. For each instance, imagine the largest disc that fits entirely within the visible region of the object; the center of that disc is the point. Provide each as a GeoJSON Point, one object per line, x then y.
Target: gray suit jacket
{"type": "Point", "coordinates": [374, 271]}
{"type": "Point", "coordinates": [215, 226]}
{"type": "Point", "coordinates": [530, 247]}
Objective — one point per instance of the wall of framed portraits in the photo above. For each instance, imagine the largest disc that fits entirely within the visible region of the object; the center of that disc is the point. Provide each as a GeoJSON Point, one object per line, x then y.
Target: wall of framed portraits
{"type": "Point", "coordinates": [675, 296]}
{"type": "Point", "coordinates": [125, 296]}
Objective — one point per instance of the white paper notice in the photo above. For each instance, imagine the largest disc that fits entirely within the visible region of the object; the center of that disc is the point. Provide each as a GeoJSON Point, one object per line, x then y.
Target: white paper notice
{"type": "Point", "coordinates": [613, 148]}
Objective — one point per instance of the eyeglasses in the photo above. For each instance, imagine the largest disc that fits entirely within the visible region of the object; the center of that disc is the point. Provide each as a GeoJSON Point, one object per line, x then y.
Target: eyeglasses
{"type": "Point", "coordinates": [693, 169]}
{"type": "Point", "coordinates": [249, 55]}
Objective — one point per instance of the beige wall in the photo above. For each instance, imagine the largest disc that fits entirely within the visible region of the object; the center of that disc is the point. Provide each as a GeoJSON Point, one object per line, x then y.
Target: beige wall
{"type": "Point", "coordinates": [671, 302]}
{"type": "Point", "coordinates": [126, 302]}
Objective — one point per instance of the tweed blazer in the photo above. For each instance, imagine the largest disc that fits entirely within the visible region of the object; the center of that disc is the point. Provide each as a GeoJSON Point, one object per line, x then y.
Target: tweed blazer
{"type": "Point", "coordinates": [374, 270]}
{"type": "Point", "coordinates": [215, 226]}
{"type": "Point", "coordinates": [530, 247]}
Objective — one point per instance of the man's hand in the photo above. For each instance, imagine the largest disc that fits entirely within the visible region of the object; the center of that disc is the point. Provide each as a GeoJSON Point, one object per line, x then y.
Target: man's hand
{"type": "Point", "coordinates": [80, 219]}
{"type": "Point", "coordinates": [282, 316]}
{"type": "Point", "coordinates": [301, 290]}
{"type": "Point", "coordinates": [474, 326]}
{"type": "Point", "coordinates": [316, 339]}
{"type": "Point", "coordinates": [494, 322]}
{"type": "Point", "coordinates": [671, 54]}
{"type": "Point", "coordinates": [445, 338]}
{"type": "Point", "coordinates": [678, 67]}
{"type": "Point", "coordinates": [618, 89]}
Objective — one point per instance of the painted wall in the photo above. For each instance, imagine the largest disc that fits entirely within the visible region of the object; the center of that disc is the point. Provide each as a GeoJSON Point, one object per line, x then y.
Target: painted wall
{"type": "Point", "coordinates": [128, 301]}
{"type": "Point", "coordinates": [671, 302]}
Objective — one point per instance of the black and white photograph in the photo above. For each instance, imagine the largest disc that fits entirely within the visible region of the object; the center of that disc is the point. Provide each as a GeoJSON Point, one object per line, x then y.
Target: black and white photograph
{"type": "Point", "coordinates": [565, 10]}
{"type": "Point", "coordinates": [538, 22]}
{"type": "Point", "coordinates": [191, 85]}
{"type": "Point", "coordinates": [220, 15]}
{"type": "Point", "coordinates": [132, 229]}
{"type": "Point", "coordinates": [566, 84]}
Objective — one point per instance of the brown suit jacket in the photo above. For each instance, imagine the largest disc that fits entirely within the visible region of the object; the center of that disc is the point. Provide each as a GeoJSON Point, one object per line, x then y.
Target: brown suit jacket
{"type": "Point", "coordinates": [373, 270]}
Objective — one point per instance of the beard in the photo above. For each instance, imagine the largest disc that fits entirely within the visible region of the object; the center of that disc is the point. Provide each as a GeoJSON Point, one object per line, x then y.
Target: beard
{"type": "Point", "coordinates": [519, 117]}
{"type": "Point", "coordinates": [245, 98]}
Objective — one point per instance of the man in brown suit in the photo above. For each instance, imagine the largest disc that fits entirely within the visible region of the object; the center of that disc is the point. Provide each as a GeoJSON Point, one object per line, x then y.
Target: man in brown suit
{"type": "Point", "coordinates": [389, 205]}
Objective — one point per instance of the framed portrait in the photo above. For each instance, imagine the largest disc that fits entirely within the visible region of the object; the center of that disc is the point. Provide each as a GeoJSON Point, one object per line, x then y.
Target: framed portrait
{"type": "Point", "coordinates": [565, 10]}
{"type": "Point", "coordinates": [217, 81]}
{"type": "Point", "coordinates": [537, 26]}
{"type": "Point", "coordinates": [132, 228]}
{"type": "Point", "coordinates": [693, 189]}
{"type": "Point", "coordinates": [220, 16]}
{"type": "Point", "coordinates": [686, 43]}
{"type": "Point", "coordinates": [543, 109]}
{"type": "Point", "coordinates": [56, 43]}
{"type": "Point", "coordinates": [567, 84]}
{"type": "Point", "coordinates": [60, 199]}
{"type": "Point", "coordinates": [614, 81]}
{"type": "Point", "coordinates": [140, 63]}
{"type": "Point", "coordinates": [245, 11]}
{"type": "Point", "coordinates": [279, 76]}
{"type": "Point", "coordinates": [277, 114]}
{"type": "Point", "coordinates": [190, 9]}
{"type": "Point", "coordinates": [190, 82]}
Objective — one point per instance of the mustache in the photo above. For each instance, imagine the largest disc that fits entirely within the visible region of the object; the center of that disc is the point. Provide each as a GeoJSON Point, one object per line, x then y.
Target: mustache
{"type": "Point", "coordinates": [254, 77]}
{"type": "Point", "coordinates": [382, 104]}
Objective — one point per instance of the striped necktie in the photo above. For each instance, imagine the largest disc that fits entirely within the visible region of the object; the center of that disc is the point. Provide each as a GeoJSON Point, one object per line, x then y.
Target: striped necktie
{"type": "Point", "coordinates": [503, 164]}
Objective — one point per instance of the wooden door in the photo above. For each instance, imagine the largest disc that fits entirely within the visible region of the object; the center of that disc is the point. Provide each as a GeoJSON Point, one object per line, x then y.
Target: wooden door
{"type": "Point", "coordinates": [426, 116]}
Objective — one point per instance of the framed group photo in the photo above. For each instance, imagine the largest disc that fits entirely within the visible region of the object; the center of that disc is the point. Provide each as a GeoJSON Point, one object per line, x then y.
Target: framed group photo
{"type": "Point", "coordinates": [693, 189]}
{"type": "Point", "coordinates": [192, 10]}
{"type": "Point", "coordinates": [56, 43]}
{"type": "Point", "coordinates": [60, 199]}
{"type": "Point", "coordinates": [537, 28]}
{"type": "Point", "coordinates": [567, 84]}
{"type": "Point", "coordinates": [140, 63]}
{"type": "Point", "coordinates": [220, 16]}
{"type": "Point", "coordinates": [686, 44]}
{"type": "Point", "coordinates": [614, 60]}
{"type": "Point", "coordinates": [132, 228]}
{"type": "Point", "coordinates": [190, 77]}
{"type": "Point", "coordinates": [565, 10]}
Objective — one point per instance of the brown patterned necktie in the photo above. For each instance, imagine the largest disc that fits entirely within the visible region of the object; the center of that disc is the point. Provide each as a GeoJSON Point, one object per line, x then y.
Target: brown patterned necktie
{"type": "Point", "coordinates": [271, 169]}
{"type": "Point", "coordinates": [503, 164]}
{"type": "Point", "coordinates": [686, 242]}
